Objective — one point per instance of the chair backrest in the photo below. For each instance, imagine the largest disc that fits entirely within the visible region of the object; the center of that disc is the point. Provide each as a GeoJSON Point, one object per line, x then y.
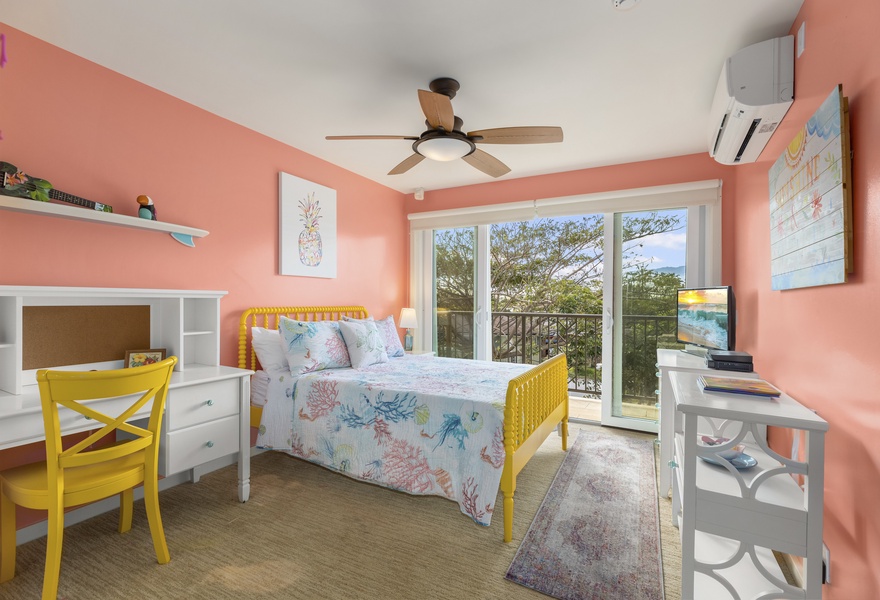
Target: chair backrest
{"type": "Point", "coordinates": [71, 388]}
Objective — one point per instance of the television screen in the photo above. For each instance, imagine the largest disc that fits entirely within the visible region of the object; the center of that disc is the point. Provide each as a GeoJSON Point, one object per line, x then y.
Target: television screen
{"type": "Point", "coordinates": [707, 317]}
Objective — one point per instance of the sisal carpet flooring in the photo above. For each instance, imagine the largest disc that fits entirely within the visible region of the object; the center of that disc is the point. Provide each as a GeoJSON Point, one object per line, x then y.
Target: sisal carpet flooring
{"type": "Point", "coordinates": [306, 533]}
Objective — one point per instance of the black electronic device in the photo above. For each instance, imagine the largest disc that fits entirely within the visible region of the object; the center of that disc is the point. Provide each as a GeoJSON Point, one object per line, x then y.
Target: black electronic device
{"type": "Point", "coordinates": [726, 365]}
{"type": "Point", "coordinates": [729, 360]}
{"type": "Point", "coordinates": [729, 356]}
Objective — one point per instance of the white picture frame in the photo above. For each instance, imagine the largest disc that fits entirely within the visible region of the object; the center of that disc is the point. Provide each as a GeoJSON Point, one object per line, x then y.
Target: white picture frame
{"type": "Point", "coordinates": [307, 228]}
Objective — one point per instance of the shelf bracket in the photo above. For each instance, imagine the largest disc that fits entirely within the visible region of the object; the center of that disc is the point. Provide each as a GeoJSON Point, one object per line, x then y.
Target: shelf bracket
{"type": "Point", "coordinates": [184, 238]}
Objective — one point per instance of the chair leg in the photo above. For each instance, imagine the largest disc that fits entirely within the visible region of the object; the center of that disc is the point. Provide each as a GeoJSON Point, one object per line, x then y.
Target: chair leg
{"type": "Point", "coordinates": [126, 508]}
{"type": "Point", "coordinates": [7, 538]}
{"type": "Point", "coordinates": [151, 501]}
{"type": "Point", "coordinates": [53, 551]}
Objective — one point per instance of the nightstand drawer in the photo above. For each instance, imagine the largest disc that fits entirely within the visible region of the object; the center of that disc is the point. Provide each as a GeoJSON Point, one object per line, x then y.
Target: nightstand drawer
{"type": "Point", "coordinates": [201, 403]}
{"type": "Point", "coordinates": [186, 448]}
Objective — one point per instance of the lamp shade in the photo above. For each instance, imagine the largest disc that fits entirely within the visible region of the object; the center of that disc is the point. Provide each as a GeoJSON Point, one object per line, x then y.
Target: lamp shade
{"type": "Point", "coordinates": [408, 318]}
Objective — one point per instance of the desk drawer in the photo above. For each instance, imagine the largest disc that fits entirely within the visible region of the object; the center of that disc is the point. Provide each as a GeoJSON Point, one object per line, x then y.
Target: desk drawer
{"type": "Point", "coordinates": [200, 403]}
{"type": "Point", "coordinates": [193, 446]}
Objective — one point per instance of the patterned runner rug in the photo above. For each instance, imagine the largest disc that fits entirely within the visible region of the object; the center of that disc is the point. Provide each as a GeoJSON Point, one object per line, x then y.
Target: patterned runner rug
{"type": "Point", "coordinates": [596, 534]}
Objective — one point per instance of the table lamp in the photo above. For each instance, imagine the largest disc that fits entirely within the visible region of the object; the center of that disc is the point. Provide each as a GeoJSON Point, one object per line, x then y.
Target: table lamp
{"type": "Point", "coordinates": [409, 321]}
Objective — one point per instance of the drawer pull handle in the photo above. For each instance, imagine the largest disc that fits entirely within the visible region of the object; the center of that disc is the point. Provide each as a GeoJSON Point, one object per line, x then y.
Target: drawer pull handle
{"type": "Point", "coordinates": [209, 444]}
{"type": "Point", "coordinates": [673, 464]}
{"type": "Point", "coordinates": [656, 392]}
{"type": "Point", "coordinates": [210, 403]}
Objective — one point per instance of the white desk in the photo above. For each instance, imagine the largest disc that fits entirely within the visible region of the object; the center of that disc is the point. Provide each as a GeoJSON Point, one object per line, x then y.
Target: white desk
{"type": "Point", "coordinates": [207, 417]}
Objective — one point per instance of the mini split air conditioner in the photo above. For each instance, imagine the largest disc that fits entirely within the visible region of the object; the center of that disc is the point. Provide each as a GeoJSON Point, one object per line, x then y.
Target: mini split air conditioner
{"type": "Point", "coordinates": [754, 92]}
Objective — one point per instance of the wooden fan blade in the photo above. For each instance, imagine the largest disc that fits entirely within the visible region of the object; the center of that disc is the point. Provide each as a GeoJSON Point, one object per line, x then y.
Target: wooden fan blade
{"type": "Point", "coordinates": [518, 135]}
{"type": "Point", "coordinates": [407, 164]}
{"type": "Point", "coordinates": [486, 163]}
{"type": "Point", "coordinates": [437, 109]}
{"type": "Point", "coordinates": [370, 137]}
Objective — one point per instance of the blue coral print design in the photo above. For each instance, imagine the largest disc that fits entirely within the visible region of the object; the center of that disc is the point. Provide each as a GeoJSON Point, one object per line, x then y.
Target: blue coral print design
{"type": "Point", "coordinates": [419, 424]}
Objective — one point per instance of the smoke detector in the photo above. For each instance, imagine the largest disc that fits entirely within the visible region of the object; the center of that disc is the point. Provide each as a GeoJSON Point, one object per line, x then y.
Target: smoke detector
{"type": "Point", "coordinates": [624, 4]}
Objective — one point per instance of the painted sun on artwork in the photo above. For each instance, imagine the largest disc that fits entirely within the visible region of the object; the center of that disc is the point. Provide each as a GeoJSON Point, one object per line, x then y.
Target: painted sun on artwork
{"type": "Point", "coordinates": [810, 202]}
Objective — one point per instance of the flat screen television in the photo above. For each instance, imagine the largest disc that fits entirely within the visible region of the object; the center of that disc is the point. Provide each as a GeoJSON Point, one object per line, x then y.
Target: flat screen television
{"type": "Point", "coordinates": [706, 318]}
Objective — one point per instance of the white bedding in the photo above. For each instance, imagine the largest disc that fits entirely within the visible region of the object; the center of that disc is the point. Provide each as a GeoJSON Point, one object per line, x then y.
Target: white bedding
{"type": "Point", "coordinates": [418, 424]}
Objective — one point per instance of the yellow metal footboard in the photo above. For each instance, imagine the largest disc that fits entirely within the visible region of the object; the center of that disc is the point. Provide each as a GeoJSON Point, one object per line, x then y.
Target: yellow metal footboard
{"type": "Point", "coordinates": [537, 401]}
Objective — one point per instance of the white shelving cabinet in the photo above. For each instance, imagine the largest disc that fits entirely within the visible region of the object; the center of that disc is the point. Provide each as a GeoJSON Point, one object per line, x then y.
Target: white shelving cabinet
{"type": "Point", "coordinates": [731, 520]}
{"type": "Point", "coordinates": [667, 362]}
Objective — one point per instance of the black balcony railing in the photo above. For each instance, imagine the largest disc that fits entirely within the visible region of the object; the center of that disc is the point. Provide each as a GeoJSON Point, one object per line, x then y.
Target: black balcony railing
{"type": "Point", "coordinates": [531, 338]}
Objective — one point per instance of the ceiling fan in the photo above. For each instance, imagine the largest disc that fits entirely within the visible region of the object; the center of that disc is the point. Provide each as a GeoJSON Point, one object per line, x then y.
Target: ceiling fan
{"type": "Point", "coordinates": [445, 141]}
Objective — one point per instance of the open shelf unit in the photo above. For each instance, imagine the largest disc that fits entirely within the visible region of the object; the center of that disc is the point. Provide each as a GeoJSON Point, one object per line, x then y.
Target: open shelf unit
{"type": "Point", "coordinates": [732, 520]}
{"type": "Point", "coordinates": [184, 322]}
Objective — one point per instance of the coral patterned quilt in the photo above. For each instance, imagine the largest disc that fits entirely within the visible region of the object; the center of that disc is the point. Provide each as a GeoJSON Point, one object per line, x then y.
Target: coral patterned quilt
{"type": "Point", "coordinates": [418, 424]}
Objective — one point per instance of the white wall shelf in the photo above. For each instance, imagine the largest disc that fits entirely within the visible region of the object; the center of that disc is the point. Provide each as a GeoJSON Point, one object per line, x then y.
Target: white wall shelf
{"type": "Point", "coordinates": [181, 233]}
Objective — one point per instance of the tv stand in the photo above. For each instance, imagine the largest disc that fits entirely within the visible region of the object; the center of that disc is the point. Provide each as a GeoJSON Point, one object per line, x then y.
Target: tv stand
{"type": "Point", "coordinates": [696, 350]}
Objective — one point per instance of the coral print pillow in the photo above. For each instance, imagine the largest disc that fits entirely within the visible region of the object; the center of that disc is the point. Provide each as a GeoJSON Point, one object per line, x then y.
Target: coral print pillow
{"type": "Point", "coordinates": [390, 336]}
{"type": "Point", "coordinates": [388, 331]}
{"type": "Point", "coordinates": [364, 343]}
{"type": "Point", "coordinates": [313, 346]}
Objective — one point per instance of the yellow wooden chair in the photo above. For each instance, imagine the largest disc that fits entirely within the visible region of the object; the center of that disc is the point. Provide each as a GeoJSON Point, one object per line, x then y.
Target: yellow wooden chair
{"type": "Point", "coordinates": [81, 474]}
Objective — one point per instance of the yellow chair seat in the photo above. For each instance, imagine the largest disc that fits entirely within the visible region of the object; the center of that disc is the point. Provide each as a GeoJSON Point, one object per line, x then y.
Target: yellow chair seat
{"type": "Point", "coordinates": [91, 469]}
{"type": "Point", "coordinates": [28, 485]}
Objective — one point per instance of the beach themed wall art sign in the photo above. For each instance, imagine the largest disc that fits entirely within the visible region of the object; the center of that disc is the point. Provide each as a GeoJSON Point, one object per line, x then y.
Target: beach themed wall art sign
{"type": "Point", "coordinates": [307, 228]}
{"type": "Point", "coordinates": [811, 202]}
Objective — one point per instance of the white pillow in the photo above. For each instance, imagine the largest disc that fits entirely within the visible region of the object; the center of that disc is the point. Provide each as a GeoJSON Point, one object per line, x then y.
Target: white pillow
{"type": "Point", "coordinates": [270, 352]}
{"type": "Point", "coordinates": [259, 388]}
{"type": "Point", "coordinates": [364, 343]}
{"type": "Point", "coordinates": [388, 331]}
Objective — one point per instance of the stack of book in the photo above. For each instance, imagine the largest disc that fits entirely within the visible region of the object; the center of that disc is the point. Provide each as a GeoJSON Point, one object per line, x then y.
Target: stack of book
{"type": "Point", "coordinates": [750, 387]}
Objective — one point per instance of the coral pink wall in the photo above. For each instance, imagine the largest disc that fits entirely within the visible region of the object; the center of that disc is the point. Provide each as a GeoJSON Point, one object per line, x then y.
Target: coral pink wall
{"type": "Point", "coordinates": [104, 137]}
{"type": "Point", "coordinates": [101, 136]}
{"type": "Point", "coordinates": [821, 344]}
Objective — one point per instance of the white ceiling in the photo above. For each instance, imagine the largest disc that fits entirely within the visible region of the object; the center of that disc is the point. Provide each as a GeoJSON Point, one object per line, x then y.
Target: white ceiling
{"type": "Point", "coordinates": [625, 85]}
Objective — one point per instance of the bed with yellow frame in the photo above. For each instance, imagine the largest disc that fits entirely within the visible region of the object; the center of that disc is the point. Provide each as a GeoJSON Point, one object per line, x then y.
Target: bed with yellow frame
{"type": "Point", "coordinates": [536, 401]}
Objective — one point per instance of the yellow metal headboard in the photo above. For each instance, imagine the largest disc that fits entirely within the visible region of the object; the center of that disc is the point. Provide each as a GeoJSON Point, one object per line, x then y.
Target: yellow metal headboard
{"type": "Point", "coordinates": [270, 317]}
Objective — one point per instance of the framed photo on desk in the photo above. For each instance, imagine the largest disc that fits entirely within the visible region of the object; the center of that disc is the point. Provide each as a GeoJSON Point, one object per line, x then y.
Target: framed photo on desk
{"type": "Point", "coordinates": [139, 358]}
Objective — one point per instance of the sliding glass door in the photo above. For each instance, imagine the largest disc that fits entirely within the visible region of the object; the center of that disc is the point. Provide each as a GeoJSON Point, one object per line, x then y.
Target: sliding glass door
{"type": "Point", "coordinates": [593, 277]}
{"type": "Point", "coordinates": [646, 262]}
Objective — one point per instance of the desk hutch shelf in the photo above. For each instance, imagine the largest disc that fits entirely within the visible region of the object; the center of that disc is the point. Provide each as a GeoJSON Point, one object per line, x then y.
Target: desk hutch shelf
{"type": "Point", "coordinates": [184, 322]}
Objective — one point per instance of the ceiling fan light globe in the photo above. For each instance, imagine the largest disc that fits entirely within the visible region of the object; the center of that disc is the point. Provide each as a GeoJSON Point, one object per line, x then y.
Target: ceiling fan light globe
{"type": "Point", "coordinates": [444, 149]}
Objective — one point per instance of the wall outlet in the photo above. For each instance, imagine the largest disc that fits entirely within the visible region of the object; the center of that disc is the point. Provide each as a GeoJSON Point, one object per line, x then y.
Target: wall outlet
{"type": "Point", "coordinates": [826, 564]}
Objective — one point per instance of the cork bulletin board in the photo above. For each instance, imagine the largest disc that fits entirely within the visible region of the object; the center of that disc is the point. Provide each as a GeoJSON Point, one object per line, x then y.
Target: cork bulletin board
{"type": "Point", "coordinates": [55, 336]}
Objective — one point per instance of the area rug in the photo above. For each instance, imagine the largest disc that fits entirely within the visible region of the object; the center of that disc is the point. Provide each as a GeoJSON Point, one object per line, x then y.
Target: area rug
{"type": "Point", "coordinates": [596, 534]}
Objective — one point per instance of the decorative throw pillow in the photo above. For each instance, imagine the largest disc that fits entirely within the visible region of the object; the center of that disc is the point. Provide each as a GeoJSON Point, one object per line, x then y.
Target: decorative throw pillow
{"type": "Point", "coordinates": [388, 331]}
{"type": "Point", "coordinates": [390, 336]}
{"type": "Point", "coordinates": [313, 345]}
{"type": "Point", "coordinates": [364, 343]}
{"type": "Point", "coordinates": [270, 352]}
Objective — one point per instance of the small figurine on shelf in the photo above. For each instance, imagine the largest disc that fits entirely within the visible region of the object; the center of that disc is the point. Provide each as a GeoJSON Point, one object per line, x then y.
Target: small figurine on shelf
{"type": "Point", "coordinates": [146, 209]}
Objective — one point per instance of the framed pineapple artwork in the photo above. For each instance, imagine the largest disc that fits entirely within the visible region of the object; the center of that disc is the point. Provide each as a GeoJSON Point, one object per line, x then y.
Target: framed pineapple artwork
{"type": "Point", "coordinates": [307, 236]}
